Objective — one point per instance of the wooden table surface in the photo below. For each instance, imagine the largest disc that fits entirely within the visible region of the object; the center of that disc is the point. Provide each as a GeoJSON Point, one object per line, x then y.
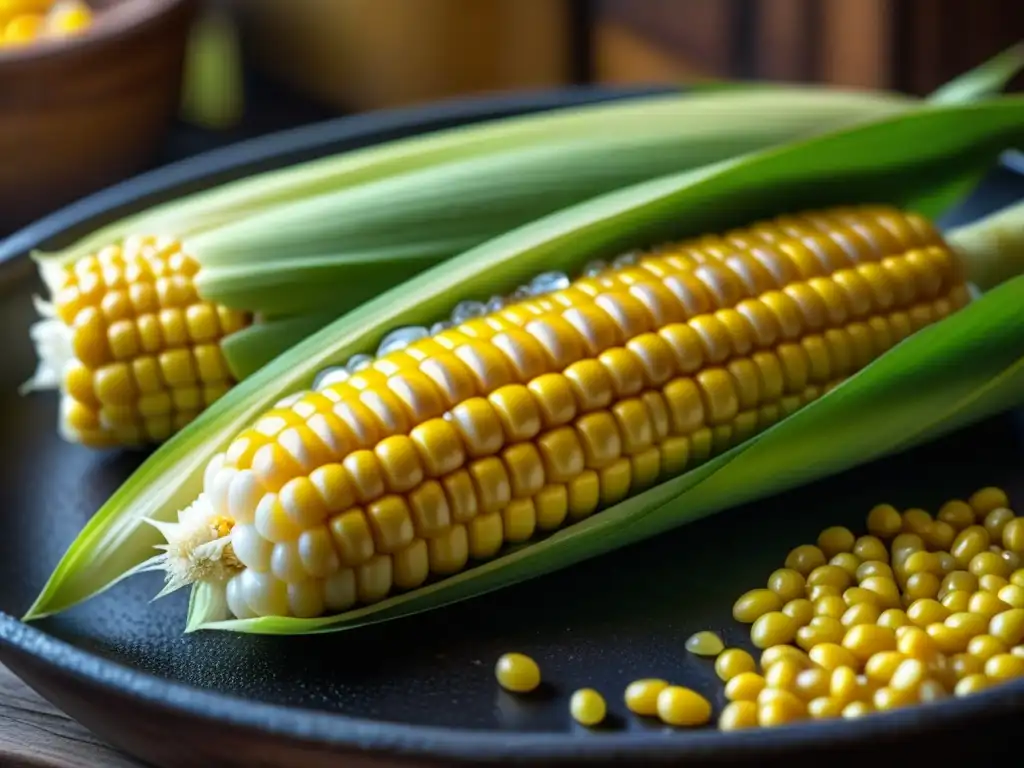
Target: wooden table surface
{"type": "Point", "coordinates": [34, 734]}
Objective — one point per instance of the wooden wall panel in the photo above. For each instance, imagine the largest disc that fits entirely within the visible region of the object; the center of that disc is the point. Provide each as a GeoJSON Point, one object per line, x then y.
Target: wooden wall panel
{"type": "Point", "coordinates": [912, 45]}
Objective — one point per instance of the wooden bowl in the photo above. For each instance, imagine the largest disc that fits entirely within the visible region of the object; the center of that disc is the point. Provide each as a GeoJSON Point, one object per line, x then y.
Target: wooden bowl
{"type": "Point", "coordinates": [81, 113]}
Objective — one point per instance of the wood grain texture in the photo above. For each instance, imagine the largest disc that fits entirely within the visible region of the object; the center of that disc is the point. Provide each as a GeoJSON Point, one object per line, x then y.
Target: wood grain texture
{"type": "Point", "coordinates": [34, 734]}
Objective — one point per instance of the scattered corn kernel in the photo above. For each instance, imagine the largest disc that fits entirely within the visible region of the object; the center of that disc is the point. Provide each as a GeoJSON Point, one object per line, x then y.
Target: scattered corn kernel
{"type": "Point", "coordinates": [773, 629]}
{"type": "Point", "coordinates": [884, 521]}
{"type": "Point", "coordinates": [705, 644]}
{"type": "Point", "coordinates": [754, 604]}
{"type": "Point", "coordinates": [787, 584]}
{"type": "Point", "coordinates": [733, 662]}
{"type": "Point", "coordinates": [805, 558]}
{"type": "Point", "coordinates": [681, 706]}
{"type": "Point", "coordinates": [780, 708]}
{"type": "Point", "coordinates": [987, 499]}
{"type": "Point", "coordinates": [971, 684]}
{"type": "Point", "coordinates": [800, 610]}
{"type": "Point", "coordinates": [777, 653]}
{"type": "Point", "coordinates": [587, 707]}
{"type": "Point", "coordinates": [836, 539]}
{"type": "Point", "coordinates": [641, 696]}
{"type": "Point", "coordinates": [517, 672]}
{"type": "Point", "coordinates": [744, 687]}
{"type": "Point", "coordinates": [737, 715]}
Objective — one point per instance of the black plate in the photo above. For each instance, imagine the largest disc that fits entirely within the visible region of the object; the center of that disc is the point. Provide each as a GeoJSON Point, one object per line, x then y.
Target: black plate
{"type": "Point", "coordinates": [421, 690]}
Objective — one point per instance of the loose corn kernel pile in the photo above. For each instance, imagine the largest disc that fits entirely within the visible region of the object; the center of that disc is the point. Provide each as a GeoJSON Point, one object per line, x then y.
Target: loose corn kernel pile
{"type": "Point", "coordinates": [538, 414]}
{"type": "Point", "coordinates": [145, 349]}
{"type": "Point", "coordinates": [25, 21]}
{"type": "Point", "coordinates": [919, 609]}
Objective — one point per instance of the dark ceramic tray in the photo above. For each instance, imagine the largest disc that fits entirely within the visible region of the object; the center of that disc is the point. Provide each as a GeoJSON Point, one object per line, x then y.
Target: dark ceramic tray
{"type": "Point", "coordinates": [421, 691]}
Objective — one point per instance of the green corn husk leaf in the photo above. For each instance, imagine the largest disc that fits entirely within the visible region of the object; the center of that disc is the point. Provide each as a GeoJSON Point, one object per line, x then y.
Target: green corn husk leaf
{"type": "Point", "coordinates": [918, 161]}
{"type": "Point", "coordinates": [816, 109]}
{"type": "Point", "coordinates": [646, 118]}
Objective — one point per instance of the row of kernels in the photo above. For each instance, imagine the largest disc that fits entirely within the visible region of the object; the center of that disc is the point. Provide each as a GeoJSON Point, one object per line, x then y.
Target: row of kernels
{"type": "Point", "coordinates": [96, 342]}
{"type": "Point", "coordinates": [134, 384]}
{"type": "Point", "coordinates": [716, 395]}
{"type": "Point", "coordinates": [819, 243]}
{"type": "Point", "coordinates": [306, 510]}
{"type": "Point", "coordinates": [288, 587]}
{"type": "Point", "coordinates": [517, 412]}
{"type": "Point", "coordinates": [720, 334]}
{"type": "Point", "coordinates": [160, 276]}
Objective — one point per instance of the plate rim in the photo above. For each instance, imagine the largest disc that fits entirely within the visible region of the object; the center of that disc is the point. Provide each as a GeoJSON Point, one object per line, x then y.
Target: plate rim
{"type": "Point", "coordinates": [341, 732]}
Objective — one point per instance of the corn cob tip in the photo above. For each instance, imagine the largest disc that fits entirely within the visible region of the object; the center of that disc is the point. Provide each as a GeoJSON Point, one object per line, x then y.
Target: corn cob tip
{"type": "Point", "coordinates": [197, 548]}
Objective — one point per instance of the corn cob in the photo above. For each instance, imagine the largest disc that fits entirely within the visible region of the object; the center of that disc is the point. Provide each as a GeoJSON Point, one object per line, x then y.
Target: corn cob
{"type": "Point", "coordinates": [448, 447]}
{"type": "Point", "coordinates": [137, 350]}
{"type": "Point", "coordinates": [305, 244]}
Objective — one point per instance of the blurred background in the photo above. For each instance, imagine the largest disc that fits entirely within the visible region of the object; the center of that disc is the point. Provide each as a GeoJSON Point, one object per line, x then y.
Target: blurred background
{"type": "Point", "coordinates": [94, 91]}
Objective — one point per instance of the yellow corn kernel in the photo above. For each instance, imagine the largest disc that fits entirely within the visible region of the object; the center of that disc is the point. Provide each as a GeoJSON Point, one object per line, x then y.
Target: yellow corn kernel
{"type": "Point", "coordinates": [870, 548]}
{"type": "Point", "coordinates": [733, 662]}
{"type": "Point", "coordinates": [804, 559]}
{"type": "Point", "coordinates": [985, 500]}
{"type": "Point", "coordinates": [517, 672]}
{"type": "Point", "coordinates": [738, 715]}
{"type": "Point", "coordinates": [744, 687]}
{"type": "Point", "coordinates": [959, 514]}
{"type": "Point", "coordinates": [587, 707]}
{"type": "Point", "coordinates": [753, 604]}
{"type": "Point", "coordinates": [1004, 666]}
{"type": "Point", "coordinates": [781, 708]}
{"type": "Point", "coordinates": [773, 628]}
{"type": "Point", "coordinates": [986, 604]}
{"type": "Point", "coordinates": [800, 610]}
{"type": "Point", "coordinates": [824, 708]}
{"type": "Point", "coordinates": [777, 653]}
{"type": "Point", "coordinates": [831, 656]}
{"type": "Point", "coordinates": [641, 696]}
{"type": "Point", "coordinates": [884, 521]}
{"type": "Point", "coordinates": [866, 640]}
{"type": "Point", "coordinates": [1013, 536]}
{"type": "Point", "coordinates": [788, 584]}
{"type": "Point", "coordinates": [836, 539]}
{"type": "Point", "coordinates": [705, 644]}
{"type": "Point", "coordinates": [680, 706]}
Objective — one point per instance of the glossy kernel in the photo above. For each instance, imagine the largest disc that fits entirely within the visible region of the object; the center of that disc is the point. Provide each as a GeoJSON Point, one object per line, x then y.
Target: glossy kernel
{"type": "Point", "coordinates": [517, 672]}
{"type": "Point", "coordinates": [756, 603]}
{"type": "Point", "coordinates": [681, 706]}
{"type": "Point", "coordinates": [772, 628]}
{"type": "Point", "coordinates": [733, 662]}
{"type": "Point", "coordinates": [587, 707]}
{"type": "Point", "coordinates": [641, 696]}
